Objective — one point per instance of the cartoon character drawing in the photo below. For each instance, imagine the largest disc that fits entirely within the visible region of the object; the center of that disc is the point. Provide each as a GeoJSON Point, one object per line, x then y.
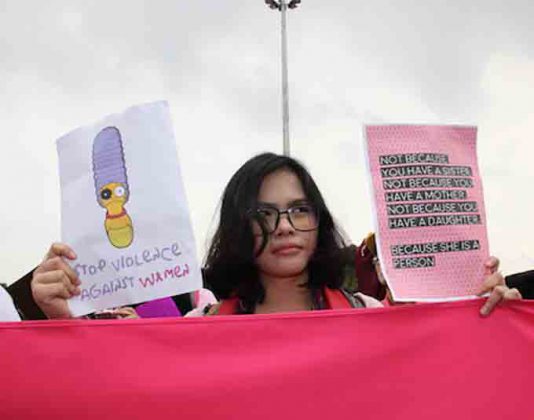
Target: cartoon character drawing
{"type": "Point", "coordinates": [111, 185]}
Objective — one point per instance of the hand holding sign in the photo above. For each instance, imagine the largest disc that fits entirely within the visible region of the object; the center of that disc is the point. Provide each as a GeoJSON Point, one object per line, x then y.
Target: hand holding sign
{"type": "Point", "coordinates": [54, 281]}
{"type": "Point", "coordinates": [495, 285]}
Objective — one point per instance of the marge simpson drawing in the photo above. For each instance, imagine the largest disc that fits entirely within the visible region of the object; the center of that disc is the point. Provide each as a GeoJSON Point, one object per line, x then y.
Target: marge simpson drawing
{"type": "Point", "coordinates": [111, 185]}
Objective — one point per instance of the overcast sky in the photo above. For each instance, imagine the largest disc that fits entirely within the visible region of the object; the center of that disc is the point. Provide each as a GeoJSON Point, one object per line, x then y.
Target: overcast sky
{"type": "Point", "coordinates": [68, 63]}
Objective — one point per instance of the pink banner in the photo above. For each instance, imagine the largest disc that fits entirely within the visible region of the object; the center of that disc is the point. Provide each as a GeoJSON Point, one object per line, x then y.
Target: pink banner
{"type": "Point", "coordinates": [428, 361]}
{"type": "Point", "coordinates": [430, 217]}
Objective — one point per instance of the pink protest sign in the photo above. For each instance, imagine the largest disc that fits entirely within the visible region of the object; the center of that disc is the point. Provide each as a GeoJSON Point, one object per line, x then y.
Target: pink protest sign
{"type": "Point", "coordinates": [429, 206]}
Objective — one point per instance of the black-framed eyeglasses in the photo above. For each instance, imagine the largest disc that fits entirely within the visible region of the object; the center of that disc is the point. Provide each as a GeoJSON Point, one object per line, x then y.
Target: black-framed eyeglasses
{"type": "Point", "coordinates": [303, 217]}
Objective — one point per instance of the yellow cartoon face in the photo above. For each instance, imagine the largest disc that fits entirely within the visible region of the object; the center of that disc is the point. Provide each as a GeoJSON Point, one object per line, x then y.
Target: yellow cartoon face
{"type": "Point", "coordinates": [113, 196]}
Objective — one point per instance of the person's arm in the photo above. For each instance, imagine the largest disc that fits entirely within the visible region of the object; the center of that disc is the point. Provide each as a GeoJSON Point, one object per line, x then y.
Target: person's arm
{"type": "Point", "coordinates": [21, 293]}
{"type": "Point", "coordinates": [524, 282]}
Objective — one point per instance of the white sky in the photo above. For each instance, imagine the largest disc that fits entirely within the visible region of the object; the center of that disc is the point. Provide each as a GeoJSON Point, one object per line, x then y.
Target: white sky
{"type": "Point", "coordinates": [66, 63]}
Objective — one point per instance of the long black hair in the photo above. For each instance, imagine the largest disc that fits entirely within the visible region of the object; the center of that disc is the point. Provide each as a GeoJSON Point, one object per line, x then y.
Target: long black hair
{"type": "Point", "coordinates": [230, 269]}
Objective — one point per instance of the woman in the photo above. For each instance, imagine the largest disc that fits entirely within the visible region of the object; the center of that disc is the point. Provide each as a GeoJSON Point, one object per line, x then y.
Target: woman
{"type": "Point", "coordinates": [276, 249]}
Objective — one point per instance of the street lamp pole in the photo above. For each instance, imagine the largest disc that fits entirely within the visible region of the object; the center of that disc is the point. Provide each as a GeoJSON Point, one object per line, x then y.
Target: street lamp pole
{"type": "Point", "coordinates": [282, 6]}
{"type": "Point", "coordinates": [285, 89]}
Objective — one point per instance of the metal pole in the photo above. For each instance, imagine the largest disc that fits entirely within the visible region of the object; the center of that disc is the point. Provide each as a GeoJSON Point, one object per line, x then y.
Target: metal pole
{"type": "Point", "coordinates": [285, 90]}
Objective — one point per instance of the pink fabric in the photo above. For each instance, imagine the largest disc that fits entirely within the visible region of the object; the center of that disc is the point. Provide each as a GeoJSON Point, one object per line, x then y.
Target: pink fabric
{"type": "Point", "coordinates": [438, 361]}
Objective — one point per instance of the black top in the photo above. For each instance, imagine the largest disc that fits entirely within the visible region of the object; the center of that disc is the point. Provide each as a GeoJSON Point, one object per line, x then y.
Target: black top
{"type": "Point", "coordinates": [524, 282]}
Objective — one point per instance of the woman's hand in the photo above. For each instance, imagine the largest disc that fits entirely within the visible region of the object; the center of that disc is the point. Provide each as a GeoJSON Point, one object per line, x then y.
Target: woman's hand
{"type": "Point", "coordinates": [495, 285]}
{"type": "Point", "coordinates": [54, 282]}
{"type": "Point", "coordinates": [125, 312]}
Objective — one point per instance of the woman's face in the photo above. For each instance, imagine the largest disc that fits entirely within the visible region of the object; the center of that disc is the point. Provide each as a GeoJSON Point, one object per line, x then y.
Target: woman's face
{"type": "Point", "coordinates": [288, 250]}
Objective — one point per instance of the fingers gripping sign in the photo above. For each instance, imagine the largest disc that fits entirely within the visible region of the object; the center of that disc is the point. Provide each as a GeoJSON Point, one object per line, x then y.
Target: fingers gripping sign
{"type": "Point", "coordinates": [499, 294]}
{"type": "Point", "coordinates": [54, 282]}
{"type": "Point", "coordinates": [58, 249]}
{"type": "Point", "coordinates": [495, 285]}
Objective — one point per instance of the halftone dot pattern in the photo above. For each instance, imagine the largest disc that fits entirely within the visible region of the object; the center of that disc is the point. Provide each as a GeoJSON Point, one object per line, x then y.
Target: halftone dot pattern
{"type": "Point", "coordinates": [457, 273]}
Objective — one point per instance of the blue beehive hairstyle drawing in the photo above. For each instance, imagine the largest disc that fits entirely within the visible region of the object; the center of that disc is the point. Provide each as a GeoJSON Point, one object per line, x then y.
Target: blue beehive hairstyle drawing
{"type": "Point", "coordinates": [111, 185]}
{"type": "Point", "coordinates": [108, 159]}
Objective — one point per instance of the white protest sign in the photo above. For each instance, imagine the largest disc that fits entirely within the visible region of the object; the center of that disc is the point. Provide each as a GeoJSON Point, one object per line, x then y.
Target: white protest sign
{"type": "Point", "coordinates": [124, 212]}
{"type": "Point", "coordinates": [8, 312]}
